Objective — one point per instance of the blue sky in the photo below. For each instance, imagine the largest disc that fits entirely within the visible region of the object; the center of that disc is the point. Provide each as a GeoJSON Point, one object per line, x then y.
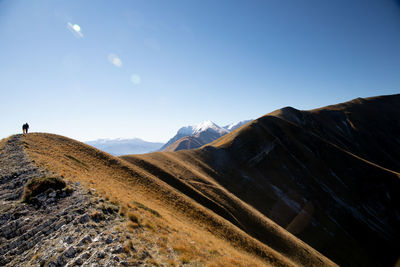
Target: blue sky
{"type": "Point", "coordinates": [96, 69]}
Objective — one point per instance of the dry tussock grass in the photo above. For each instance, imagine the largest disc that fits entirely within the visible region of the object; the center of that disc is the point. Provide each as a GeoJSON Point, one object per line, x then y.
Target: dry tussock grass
{"type": "Point", "coordinates": [35, 186]}
{"type": "Point", "coordinates": [3, 142]}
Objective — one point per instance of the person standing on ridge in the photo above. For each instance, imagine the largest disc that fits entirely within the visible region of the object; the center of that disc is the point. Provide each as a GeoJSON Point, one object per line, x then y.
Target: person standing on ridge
{"type": "Point", "coordinates": [25, 128]}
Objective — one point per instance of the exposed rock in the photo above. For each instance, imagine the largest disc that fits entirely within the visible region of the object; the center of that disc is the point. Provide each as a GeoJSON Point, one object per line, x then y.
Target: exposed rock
{"type": "Point", "coordinates": [118, 249]}
{"type": "Point", "coordinates": [52, 220]}
{"type": "Point", "coordinates": [86, 255]}
{"type": "Point", "coordinates": [145, 254]}
{"type": "Point", "coordinates": [70, 252]}
{"type": "Point", "coordinates": [79, 261]}
{"type": "Point", "coordinates": [101, 254]}
{"type": "Point", "coordinates": [84, 218]}
{"type": "Point", "coordinates": [109, 240]}
{"type": "Point", "coordinates": [61, 227]}
{"type": "Point", "coordinates": [69, 239]}
{"type": "Point", "coordinates": [85, 240]}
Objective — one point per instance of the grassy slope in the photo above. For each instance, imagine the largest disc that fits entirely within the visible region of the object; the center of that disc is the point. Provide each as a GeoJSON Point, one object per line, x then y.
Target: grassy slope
{"type": "Point", "coordinates": [191, 176]}
{"type": "Point", "coordinates": [304, 171]}
{"type": "Point", "coordinates": [180, 214]}
{"type": "Point", "coordinates": [187, 142]}
{"type": "Point", "coordinates": [366, 127]}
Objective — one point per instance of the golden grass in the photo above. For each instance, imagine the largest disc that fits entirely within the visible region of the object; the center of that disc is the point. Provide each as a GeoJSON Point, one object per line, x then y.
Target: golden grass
{"type": "Point", "coordinates": [36, 256]}
{"type": "Point", "coordinates": [97, 216]}
{"type": "Point", "coordinates": [161, 212]}
{"type": "Point", "coordinates": [128, 246]}
{"type": "Point", "coordinates": [133, 217]}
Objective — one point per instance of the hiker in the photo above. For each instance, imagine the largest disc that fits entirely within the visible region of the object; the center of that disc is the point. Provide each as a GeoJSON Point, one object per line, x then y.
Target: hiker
{"type": "Point", "coordinates": [25, 128]}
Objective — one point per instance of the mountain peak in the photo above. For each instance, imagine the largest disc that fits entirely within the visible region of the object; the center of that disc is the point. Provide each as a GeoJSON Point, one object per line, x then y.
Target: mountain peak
{"type": "Point", "coordinates": [204, 133]}
{"type": "Point", "coordinates": [206, 125]}
{"type": "Point", "coordinates": [201, 127]}
{"type": "Point", "coordinates": [235, 125]}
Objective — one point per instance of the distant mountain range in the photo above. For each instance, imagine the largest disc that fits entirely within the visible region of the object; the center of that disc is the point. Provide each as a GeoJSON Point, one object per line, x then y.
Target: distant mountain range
{"type": "Point", "coordinates": [195, 136]}
{"type": "Point", "coordinates": [187, 137]}
{"type": "Point", "coordinates": [118, 147]}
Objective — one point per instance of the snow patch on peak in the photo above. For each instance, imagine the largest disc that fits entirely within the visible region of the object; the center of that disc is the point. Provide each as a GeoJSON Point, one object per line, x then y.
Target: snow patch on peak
{"type": "Point", "coordinates": [235, 125]}
{"type": "Point", "coordinates": [206, 125]}
{"type": "Point", "coordinates": [186, 130]}
{"type": "Point", "coordinates": [231, 126]}
{"type": "Point", "coordinates": [204, 132]}
{"type": "Point", "coordinates": [201, 127]}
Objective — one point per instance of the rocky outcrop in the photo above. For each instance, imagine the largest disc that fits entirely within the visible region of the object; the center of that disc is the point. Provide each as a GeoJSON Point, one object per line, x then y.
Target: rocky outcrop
{"type": "Point", "coordinates": [65, 227]}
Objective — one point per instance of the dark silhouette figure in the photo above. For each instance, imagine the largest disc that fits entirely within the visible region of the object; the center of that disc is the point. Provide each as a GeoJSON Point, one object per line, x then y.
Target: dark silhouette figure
{"type": "Point", "coordinates": [25, 128]}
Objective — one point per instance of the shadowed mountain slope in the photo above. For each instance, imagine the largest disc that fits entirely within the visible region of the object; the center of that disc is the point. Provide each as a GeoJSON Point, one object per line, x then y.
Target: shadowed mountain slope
{"type": "Point", "coordinates": [329, 176]}
{"type": "Point", "coordinates": [368, 128]}
{"type": "Point", "coordinates": [186, 213]}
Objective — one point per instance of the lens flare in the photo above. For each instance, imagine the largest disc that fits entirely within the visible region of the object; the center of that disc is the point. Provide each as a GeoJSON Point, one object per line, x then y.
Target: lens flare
{"type": "Point", "coordinates": [135, 79]}
{"type": "Point", "coordinates": [115, 60]}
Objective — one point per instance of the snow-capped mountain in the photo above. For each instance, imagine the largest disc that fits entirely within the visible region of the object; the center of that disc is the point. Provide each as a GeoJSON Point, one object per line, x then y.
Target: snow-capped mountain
{"type": "Point", "coordinates": [121, 146]}
{"type": "Point", "coordinates": [201, 127]}
{"type": "Point", "coordinates": [236, 125]}
{"type": "Point", "coordinates": [194, 136]}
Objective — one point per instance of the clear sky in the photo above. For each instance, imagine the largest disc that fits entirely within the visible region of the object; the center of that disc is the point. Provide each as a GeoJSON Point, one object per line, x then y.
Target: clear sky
{"type": "Point", "coordinates": [108, 69]}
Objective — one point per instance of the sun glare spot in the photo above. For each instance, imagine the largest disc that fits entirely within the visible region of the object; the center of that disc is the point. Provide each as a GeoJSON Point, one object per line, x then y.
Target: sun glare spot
{"type": "Point", "coordinates": [75, 29]}
{"type": "Point", "coordinates": [115, 60]}
{"type": "Point", "coordinates": [135, 79]}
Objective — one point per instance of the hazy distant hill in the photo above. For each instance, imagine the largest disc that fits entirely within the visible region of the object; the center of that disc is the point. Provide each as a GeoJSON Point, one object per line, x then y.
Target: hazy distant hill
{"type": "Point", "coordinates": [190, 137]}
{"type": "Point", "coordinates": [119, 147]}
